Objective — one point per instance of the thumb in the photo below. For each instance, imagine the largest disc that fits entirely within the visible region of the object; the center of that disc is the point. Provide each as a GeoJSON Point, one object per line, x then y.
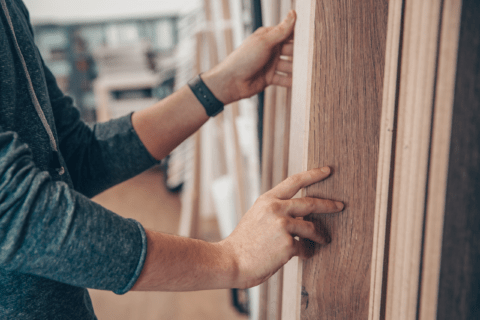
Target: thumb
{"type": "Point", "coordinates": [284, 29]}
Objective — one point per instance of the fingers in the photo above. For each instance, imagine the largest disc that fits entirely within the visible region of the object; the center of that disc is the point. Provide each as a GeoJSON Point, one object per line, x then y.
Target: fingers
{"type": "Point", "coordinates": [284, 66]}
{"type": "Point", "coordinates": [290, 186]}
{"type": "Point", "coordinates": [306, 230]}
{"type": "Point", "coordinates": [287, 49]}
{"type": "Point", "coordinates": [282, 80]}
{"type": "Point", "coordinates": [301, 207]}
{"type": "Point", "coordinates": [284, 29]}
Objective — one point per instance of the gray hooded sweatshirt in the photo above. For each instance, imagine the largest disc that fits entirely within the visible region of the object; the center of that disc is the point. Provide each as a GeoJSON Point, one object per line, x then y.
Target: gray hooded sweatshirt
{"type": "Point", "coordinates": [54, 241]}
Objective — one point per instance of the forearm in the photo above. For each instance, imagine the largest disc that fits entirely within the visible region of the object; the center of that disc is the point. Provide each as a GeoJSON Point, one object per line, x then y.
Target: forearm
{"type": "Point", "coordinates": [166, 124]}
{"type": "Point", "coordinates": [247, 71]}
{"type": "Point", "coordinates": [181, 264]}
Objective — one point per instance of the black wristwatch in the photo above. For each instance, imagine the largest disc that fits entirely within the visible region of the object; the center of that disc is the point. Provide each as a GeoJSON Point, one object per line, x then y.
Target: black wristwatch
{"type": "Point", "coordinates": [212, 105]}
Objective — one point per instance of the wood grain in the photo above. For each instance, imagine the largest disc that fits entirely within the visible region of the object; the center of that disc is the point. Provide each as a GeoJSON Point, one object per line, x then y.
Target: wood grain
{"type": "Point", "coordinates": [459, 293]}
{"type": "Point", "coordinates": [348, 73]}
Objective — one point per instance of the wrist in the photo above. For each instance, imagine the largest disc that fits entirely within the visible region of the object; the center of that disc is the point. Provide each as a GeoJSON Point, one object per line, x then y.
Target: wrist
{"type": "Point", "coordinates": [229, 263]}
{"type": "Point", "coordinates": [220, 84]}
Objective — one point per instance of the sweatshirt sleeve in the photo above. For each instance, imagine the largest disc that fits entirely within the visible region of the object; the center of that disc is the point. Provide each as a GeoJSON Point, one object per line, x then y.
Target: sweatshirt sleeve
{"type": "Point", "coordinates": [50, 230]}
{"type": "Point", "coordinates": [100, 156]}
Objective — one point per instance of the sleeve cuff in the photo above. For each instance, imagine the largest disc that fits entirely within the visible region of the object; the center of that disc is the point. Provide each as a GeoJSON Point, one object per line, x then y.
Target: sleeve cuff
{"type": "Point", "coordinates": [140, 143]}
{"type": "Point", "coordinates": [141, 261]}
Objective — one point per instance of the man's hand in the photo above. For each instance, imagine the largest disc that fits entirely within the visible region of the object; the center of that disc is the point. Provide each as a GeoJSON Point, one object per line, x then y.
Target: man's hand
{"type": "Point", "coordinates": [255, 64]}
{"type": "Point", "coordinates": [264, 239]}
{"type": "Point", "coordinates": [245, 72]}
{"type": "Point", "coordinates": [262, 242]}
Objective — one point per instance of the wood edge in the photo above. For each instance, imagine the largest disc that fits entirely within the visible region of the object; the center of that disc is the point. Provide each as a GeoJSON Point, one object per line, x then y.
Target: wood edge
{"type": "Point", "coordinates": [385, 155]}
{"type": "Point", "coordinates": [298, 142]}
{"type": "Point", "coordinates": [440, 149]}
{"type": "Point", "coordinates": [411, 162]}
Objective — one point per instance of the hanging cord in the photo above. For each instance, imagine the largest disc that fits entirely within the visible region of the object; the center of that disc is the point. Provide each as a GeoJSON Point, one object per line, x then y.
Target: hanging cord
{"type": "Point", "coordinates": [55, 156]}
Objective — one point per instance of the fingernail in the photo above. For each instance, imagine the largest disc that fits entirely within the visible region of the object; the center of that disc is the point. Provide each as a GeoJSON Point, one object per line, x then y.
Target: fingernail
{"type": "Point", "coordinates": [325, 169]}
{"type": "Point", "coordinates": [339, 205]}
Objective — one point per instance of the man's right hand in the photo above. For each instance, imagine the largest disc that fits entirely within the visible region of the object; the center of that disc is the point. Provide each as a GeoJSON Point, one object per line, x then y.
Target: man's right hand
{"type": "Point", "coordinates": [264, 239]}
{"type": "Point", "coordinates": [262, 242]}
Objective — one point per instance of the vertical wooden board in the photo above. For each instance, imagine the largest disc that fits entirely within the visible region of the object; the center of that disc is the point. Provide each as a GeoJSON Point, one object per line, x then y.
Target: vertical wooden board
{"type": "Point", "coordinates": [439, 153]}
{"type": "Point", "coordinates": [385, 156]}
{"type": "Point", "coordinates": [298, 142]}
{"type": "Point", "coordinates": [348, 72]}
{"type": "Point", "coordinates": [417, 81]}
{"type": "Point", "coordinates": [459, 293]}
{"type": "Point", "coordinates": [280, 173]}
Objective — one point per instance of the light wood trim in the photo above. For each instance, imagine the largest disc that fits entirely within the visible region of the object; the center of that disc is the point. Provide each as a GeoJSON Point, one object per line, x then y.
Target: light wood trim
{"type": "Point", "coordinates": [419, 55]}
{"type": "Point", "coordinates": [299, 135]}
{"type": "Point", "coordinates": [384, 169]}
{"type": "Point", "coordinates": [439, 155]}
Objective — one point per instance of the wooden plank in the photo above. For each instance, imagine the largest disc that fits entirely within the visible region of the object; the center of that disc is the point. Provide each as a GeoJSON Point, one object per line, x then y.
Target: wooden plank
{"type": "Point", "coordinates": [439, 154]}
{"type": "Point", "coordinates": [279, 164]}
{"type": "Point", "coordinates": [419, 55]}
{"type": "Point", "coordinates": [348, 57]}
{"type": "Point", "coordinates": [385, 165]}
{"type": "Point", "coordinates": [280, 173]}
{"type": "Point", "coordinates": [232, 114]}
{"type": "Point", "coordinates": [267, 171]}
{"type": "Point", "coordinates": [459, 284]}
{"type": "Point", "coordinates": [299, 129]}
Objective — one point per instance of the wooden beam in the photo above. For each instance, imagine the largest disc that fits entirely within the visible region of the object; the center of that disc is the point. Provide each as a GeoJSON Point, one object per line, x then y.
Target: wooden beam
{"type": "Point", "coordinates": [348, 69]}
{"type": "Point", "coordinates": [385, 164]}
{"type": "Point", "coordinates": [439, 157]}
{"type": "Point", "coordinates": [299, 135]}
{"type": "Point", "coordinates": [417, 78]}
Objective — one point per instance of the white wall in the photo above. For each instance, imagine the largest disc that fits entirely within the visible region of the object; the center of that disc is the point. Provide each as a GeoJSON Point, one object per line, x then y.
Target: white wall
{"type": "Point", "coordinates": [91, 10]}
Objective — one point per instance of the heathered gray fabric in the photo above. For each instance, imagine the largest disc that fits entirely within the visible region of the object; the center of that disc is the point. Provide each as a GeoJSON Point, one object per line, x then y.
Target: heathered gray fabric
{"type": "Point", "coordinates": [54, 241]}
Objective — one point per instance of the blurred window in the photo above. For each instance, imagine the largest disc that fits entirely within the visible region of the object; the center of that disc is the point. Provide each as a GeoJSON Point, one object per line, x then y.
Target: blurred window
{"type": "Point", "coordinates": [93, 36]}
{"type": "Point", "coordinates": [52, 42]}
{"type": "Point", "coordinates": [165, 36]}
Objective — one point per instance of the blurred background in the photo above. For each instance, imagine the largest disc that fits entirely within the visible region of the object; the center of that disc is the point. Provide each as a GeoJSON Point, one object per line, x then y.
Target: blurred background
{"type": "Point", "coordinates": [114, 57]}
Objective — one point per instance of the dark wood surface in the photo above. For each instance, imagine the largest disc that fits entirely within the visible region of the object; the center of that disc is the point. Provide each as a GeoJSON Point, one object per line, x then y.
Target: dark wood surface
{"type": "Point", "coordinates": [347, 84]}
{"type": "Point", "coordinates": [459, 289]}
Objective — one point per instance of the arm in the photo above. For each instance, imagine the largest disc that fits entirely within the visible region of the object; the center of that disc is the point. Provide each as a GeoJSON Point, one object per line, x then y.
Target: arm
{"type": "Point", "coordinates": [264, 239]}
{"type": "Point", "coordinates": [52, 231]}
{"type": "Point", "coordinates": [260, 245]}
{"type": "Point", "coordinates": [247, 71]}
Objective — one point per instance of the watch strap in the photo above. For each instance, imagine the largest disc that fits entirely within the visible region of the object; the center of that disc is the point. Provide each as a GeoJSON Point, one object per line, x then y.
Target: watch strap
{"type": "Point", "coordinates": [212, 105]}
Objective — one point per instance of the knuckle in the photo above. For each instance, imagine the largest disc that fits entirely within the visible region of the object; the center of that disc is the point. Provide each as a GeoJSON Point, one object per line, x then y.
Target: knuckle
{"type": "Point", "coordinates": [275, 206]}
{"type": "Point", "coordinates": [311, 204]}
{"type": "Point", "coordinates": [282, 222]}
{"type": "Point", "coordinates": [260, 30]}
{"type": "Point", "coordinates": [261, 34]}
{"type": "Point", "coordinates": [311, 228]}
{"type": "Point", "coordinates": [290, 242]}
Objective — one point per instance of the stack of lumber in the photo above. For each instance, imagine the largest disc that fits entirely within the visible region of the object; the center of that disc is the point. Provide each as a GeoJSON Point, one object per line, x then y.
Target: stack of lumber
{"type": "Point", "coordinates": [388, 96]}
{"type": "Point", "coordinates": [222, 167]}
